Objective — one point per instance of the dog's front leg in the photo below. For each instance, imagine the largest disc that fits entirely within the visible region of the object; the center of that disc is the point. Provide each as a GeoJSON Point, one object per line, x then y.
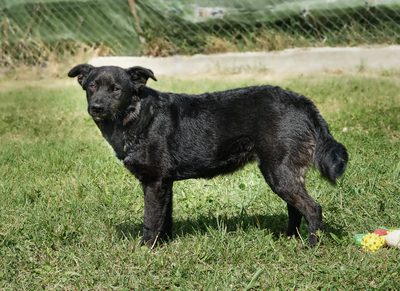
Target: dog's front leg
{"type": "Point", "coordinates": [157, 224]}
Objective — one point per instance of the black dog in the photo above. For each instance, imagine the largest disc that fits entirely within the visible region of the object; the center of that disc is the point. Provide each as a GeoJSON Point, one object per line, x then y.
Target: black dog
{"type": "Point", "coordinates": [165, 137]}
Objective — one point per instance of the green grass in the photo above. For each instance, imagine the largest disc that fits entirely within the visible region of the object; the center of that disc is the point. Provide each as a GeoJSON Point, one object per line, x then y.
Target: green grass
{"type": "Point", "coordinates": [71, 215]}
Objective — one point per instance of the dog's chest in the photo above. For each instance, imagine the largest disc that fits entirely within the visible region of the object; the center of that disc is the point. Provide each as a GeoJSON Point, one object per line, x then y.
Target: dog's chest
{"type": "Point", "coordinates": [141, 162]}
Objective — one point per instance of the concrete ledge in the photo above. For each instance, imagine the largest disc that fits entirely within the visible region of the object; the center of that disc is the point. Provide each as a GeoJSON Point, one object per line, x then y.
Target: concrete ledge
{"type": "Point", "coordinates": [291, 61]}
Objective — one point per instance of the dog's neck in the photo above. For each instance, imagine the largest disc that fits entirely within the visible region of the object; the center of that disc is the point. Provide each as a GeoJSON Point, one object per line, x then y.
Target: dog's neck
{"type": "Point", "coordinates": [113, 133]}
{"type": "Point", "coordinates": [131, 113]}
{"type": "Point", "coordinates": [120, 131]}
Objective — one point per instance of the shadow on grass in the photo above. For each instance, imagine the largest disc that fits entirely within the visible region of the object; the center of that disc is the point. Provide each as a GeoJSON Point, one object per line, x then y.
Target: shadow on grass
{"type": "Point", "coordinates": [275, 223]}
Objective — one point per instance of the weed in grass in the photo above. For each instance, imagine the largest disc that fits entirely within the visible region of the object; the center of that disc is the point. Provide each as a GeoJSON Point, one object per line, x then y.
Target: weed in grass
{"type": "Point", "coordinates": [71, 215]}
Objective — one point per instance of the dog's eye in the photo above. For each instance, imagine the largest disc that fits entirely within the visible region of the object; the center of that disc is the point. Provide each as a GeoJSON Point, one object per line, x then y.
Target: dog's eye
{"type": "Point", "coordinates": [93, 87]}
{"type": "Point", "coordinates": [116, 89]}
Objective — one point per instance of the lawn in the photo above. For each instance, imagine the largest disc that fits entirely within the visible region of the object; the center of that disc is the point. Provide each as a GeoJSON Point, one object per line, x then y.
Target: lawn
{"type": "Point", "coordinates": [71, 214]}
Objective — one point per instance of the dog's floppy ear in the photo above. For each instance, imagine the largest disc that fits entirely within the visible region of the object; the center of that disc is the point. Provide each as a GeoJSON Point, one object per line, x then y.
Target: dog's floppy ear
{"type": "Point", "coordinates": [82, 71]}
{"type": "Point", "coordinates": [139, 76]}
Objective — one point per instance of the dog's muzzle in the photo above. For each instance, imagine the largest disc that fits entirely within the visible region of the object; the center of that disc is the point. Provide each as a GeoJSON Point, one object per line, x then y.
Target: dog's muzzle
{"type": "Point", "coordinates": [97, 111]}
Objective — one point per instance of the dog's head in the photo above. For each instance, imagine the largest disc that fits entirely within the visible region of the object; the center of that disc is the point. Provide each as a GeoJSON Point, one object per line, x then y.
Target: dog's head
{"type": "Point", "coordinates": [111, 91]}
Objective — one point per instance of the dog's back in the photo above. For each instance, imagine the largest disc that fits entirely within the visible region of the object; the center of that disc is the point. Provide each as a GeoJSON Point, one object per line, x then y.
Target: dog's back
{"type": "Point", "coordinates": [221, 131]}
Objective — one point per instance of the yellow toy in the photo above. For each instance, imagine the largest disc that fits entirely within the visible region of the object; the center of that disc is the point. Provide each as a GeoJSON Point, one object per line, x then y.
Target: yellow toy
{"type": "Point", "coordinates": [372, 242]}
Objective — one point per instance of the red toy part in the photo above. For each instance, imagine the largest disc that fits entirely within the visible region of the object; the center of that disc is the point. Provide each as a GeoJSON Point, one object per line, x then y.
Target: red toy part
{"type": "Point", "coordinates": [381, 231]}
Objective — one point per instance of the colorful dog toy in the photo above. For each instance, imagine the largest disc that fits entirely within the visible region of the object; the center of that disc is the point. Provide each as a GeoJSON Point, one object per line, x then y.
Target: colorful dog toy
{"type": "Point", "coordinates": [380, 237]}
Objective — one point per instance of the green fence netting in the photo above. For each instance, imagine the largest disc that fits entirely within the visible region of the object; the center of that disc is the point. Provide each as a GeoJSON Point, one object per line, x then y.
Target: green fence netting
{"type": "Point", "coordinates": [165, 27]}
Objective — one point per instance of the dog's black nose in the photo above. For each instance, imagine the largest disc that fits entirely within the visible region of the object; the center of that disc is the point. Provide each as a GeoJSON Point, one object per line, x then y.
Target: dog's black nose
{"type": "Point", "coordinates": [97, 108]}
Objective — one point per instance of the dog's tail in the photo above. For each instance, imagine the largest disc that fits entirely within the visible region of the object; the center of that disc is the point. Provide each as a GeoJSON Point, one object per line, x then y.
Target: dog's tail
{"type": "Point", "coordinates": [330, 157]}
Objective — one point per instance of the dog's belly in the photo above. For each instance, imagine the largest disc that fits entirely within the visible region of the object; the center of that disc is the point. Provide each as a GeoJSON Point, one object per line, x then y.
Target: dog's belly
{"type": "Point", "coordinates": [210, 171]}
{"type": "Point", "coordinates": [227, 158]}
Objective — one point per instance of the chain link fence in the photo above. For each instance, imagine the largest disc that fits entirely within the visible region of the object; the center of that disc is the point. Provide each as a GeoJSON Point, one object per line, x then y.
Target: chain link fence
{"type": "Point", "coordinates": [35, 30]}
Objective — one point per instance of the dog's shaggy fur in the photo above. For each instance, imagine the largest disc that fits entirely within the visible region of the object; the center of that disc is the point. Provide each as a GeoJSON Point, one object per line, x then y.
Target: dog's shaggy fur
{"type": "Point", "coordinates": [165, 137]}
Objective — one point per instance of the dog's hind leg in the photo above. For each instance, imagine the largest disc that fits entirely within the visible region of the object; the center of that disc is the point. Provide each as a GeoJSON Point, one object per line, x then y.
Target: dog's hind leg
{"type": "Point", "coordinates": [157, 224]}
{"type": "Point", "coordinates": [284, 182]}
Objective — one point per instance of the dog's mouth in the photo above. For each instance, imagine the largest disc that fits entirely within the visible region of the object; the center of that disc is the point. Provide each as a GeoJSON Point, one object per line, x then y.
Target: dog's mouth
{"type": "Point", "coordinates": [98, 117]}
{"type": "Point", "coordinates": [101, 114]}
